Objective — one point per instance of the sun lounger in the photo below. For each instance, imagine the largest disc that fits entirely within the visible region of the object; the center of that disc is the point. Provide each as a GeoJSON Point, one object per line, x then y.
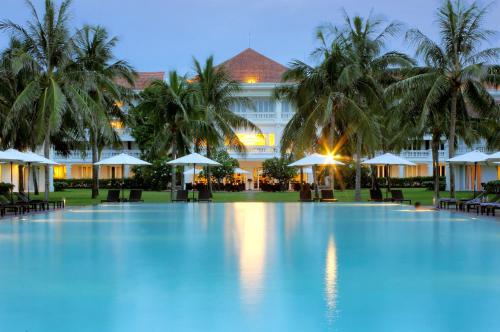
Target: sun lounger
{"type": "Point", "coordinates": [305, 196]}
{"type": "Point", "coordinates": [376, 195]}
{"type": "Point", "coordinates": [42, 203]}
{"type": "Point", "coordinates": [135, 195]}
{"type": "Point", "coordinates": [5, 206]}
{"type": "Point", "coordinates": [397, 196]}
{"type": "Point", "coordinates": [113, 196]}
{"type": "Point", "coordinates": [204, 195]}
{"type": "Point", "coordinates": [492, 205]}
{"type": "Point", "coordinates": [181, 196]}
{"type": "Point", "coordinates": [446, 202]}
{"type": "Point", "coordinates": [29, 204]}
{"type": "Point", "coordinates": [327, 196]}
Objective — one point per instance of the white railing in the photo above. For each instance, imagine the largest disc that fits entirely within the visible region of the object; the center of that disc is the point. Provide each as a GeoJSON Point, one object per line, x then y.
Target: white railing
{"type": "Point", "coordinates": [86, 156]}
{"type": "Point", "coordinates": [258, 115]}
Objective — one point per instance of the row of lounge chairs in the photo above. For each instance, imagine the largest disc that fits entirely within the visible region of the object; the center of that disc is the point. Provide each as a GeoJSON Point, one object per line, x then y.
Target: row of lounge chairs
{"type": "Point", "coordinates": [326, 196]}
{"type": "Point", "coordinates": [135, 195]}
{"type": "Point", "coordinates": [483, 203]}
{"type": "Point", "coordinates": [375, 196]}
{"type": "Point", "coordinates": [19, 203]}
{"type": "Point", "coordinates": [183, 196]}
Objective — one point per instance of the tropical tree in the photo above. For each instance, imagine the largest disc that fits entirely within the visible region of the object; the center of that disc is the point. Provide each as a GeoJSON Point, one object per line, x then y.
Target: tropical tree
{"type": "Point", "coordinates": [228, 165]}
{"type": "Point", "coordinates": [164, 122]}
{"type": "Point", "coordinates": [48, 51]}
{"type": "Point", "coordinates": [216, 93]}
{"type": "Point", "coordinates": [461, 67]}
{"type": "Point", "coordinates": [278, 169]}
{"type": "Point", "coordinates": [342, 98]}
{"type": "Point", "coordinates": [93, 56]}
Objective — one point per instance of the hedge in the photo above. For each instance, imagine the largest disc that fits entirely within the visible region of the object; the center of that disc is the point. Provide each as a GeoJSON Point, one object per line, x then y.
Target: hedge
{"type": "Point", "coordinates": [5, 188]}
{"type": "Point", "coordinates": [129, 183]}
{"type": "Point", "coordinates": [493, 187]}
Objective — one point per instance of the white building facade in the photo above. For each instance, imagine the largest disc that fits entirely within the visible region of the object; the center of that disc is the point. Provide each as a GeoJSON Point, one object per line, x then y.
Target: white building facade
{"type": "Point", "coordinates": [259, 76]}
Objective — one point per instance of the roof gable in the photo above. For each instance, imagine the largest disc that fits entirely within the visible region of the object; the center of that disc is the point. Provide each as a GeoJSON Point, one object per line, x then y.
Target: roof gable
{"type": "Point", "coordinates": [250, 66]}
{"type": "Point", "coordinates": [143, 80]}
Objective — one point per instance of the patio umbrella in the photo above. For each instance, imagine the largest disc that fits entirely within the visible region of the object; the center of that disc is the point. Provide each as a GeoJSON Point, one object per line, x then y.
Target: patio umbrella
{"type": "Point", "coordinates": [386, 160]}
{"type": "Point", "coordinates": [314, 160]}
{"type": "Point", "coordinates": [12, 156]}
{"type": "Point", "coordinates": [494, 157]}
{"type": "Point", "coordinates": [472, 158]}
{"type": "Point", "coordinates": [193, 159]}
{"type": "Point", "coordinates": [33, 158]}
{"type": "Point", "coordinates": [122, 159]}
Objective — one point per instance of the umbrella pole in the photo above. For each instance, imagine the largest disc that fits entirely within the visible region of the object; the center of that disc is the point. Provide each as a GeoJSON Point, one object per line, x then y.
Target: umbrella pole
{"type": "Point", "coordinates": [29, 181]}
{"type": "Point", "coordinates": [12, 182]}
{"type": "Point", "coordinates": [316, 190]}
{"type": "Point", "coordinates": [333, 180]}
{"type": "Point", "coordinates": [388, 181]}
{"type": "Point", "coordinates": [194, 173]}
{"type": "Point", "coordinates": [123, 182]}
{"type": "Point", "coordinates": [301, 178]}
{"type": "Point", "coordinates": [475, 178]}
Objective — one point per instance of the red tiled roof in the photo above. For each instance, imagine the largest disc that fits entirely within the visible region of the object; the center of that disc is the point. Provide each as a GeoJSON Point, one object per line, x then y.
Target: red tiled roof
{"type": "Point", "coordinates": [250, 66]}
{"type": "Point", "coordinates": [143, 79]}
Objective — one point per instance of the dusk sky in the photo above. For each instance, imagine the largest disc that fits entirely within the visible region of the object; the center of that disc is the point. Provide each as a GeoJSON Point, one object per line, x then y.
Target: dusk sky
{"type": "Point", "coordinates": [161, 35]}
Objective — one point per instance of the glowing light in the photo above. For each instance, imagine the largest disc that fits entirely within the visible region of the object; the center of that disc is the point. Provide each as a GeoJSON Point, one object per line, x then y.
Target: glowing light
{"type": "Point", "coordinates": [257, 139]}
{"type": "Point", "coordinates": [116, 124]}
{"type": "Point", "coordinates": [59, 172]}
{"type": "Point", "coordinates": [251, 80]}
{"type": "Point", "coordinates": [331, 277]}
{"type": "Point", "coordinates": [119, 104]}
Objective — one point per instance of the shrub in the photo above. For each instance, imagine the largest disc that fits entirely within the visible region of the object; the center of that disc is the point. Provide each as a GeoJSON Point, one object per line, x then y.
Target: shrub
{"type": "Point", "coordinates": [5, 188]}
{"type": "Point", "coordinates": [493, 187]}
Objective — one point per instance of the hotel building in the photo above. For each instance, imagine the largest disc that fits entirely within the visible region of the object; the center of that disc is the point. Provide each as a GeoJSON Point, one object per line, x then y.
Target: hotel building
{"type": "Point", "coordinates": [259, 76]}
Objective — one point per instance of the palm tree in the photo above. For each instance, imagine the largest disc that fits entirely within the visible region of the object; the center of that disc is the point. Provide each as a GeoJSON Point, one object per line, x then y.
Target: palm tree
{"type": "Point", "coordinates": [461, 67]}
{"type": "Point", "coordinates": [94, 58]}
{"type": "Point", "coordinates": [164, 120]}
{"type": "Point", "coordinates": [216, 93]}
{"type": "Point", "coordinates": [48, 50]}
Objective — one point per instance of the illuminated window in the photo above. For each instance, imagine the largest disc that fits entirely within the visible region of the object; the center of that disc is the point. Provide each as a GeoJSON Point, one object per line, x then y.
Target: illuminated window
{"type": "Point", "coordinates": [119, 104]}
{"type": "Point", "coordinates": [251, 80]}
{"type": "Point", "coordinates": [252, 139]}
{"type": "Point", "coordinates": [117, 124]}
{"type": "Point", "coordinates": [498, 171]}
{"type": "Point", "coordinates": [59, 172]}
{"type": "Point", "coordinates": [271, 140]}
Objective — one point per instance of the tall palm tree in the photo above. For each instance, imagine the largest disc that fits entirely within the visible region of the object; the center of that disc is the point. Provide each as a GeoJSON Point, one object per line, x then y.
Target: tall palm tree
{"type": "Point", "coordinates": [461, 66]}
{"type": "Point", "coordinates": [164, 121]}
{"type": "Point", "coordinates": [48, 49]}
{"type": "Point", "coordinates": [216, 92]}
{"type": "Point", "coordinates": [99, 72]}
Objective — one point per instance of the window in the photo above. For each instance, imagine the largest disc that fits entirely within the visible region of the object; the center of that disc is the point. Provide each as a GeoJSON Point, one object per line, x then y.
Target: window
{"type": "Point", "coordinates": [257, 139]}
{"type": "Point", "coordinates": [498, 172]}
{"type": "Point", "coordinates": [116, 124]}
{"type": "Point", "coordinates": [427, 144]}
{"type": "Point", "coordinates": [60, 172]}
{"type": "Point", "coordinates": [129, 145]}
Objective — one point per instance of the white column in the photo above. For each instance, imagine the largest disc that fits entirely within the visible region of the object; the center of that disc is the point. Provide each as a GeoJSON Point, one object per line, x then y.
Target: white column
{"type": "Point", "coordinates": [68, 171]}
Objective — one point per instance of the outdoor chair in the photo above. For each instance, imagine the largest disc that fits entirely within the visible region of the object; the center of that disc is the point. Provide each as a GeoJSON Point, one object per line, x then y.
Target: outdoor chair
{"type": "Point", "coordinates": [29, 204]}
{"type": "Point", "coordinates": [113, 196]}
{"type": "Point", "coordinates": [446, 202]}
{"type": "Point", "coordinates": [204, 195]}
{"type": "Point", "coordinates": [180, 196]}
{"type": "Point", "coordinates": [305, 195]}
{"type": "Point", "coordinates": [42, 203]}
{"type": "Point", "coordinates": [471, 203]}
{"type": "Point", "coordinates": [376, 195]}
{"type": "Point", "coordinates": [327, 196]}
{"type": "Point", "coordinates": [397, 196]}
{"type": "Point", "coordinates": [492, 205]}
{"type": "Point", "coordinates": [6, 206]}
{"type": "Point", "coordinates": [135, 195]}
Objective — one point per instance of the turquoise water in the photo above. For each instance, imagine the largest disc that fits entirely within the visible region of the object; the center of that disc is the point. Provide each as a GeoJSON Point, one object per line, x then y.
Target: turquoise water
{"type": "Point", "coordinates": [249, 267]}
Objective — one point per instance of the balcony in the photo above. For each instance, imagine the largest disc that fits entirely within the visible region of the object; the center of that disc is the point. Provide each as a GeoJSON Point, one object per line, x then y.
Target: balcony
{"type": "Point", "coordinates": [86, 156]}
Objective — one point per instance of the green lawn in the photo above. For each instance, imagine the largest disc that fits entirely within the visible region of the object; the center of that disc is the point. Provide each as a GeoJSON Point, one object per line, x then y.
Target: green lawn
{"type": "Point", "coordinates": [82, 196]}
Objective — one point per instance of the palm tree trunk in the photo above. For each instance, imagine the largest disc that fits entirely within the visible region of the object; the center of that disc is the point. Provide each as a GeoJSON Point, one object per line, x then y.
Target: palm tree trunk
{"type": "Point", "coordinates": [435, 165]}
{"type": "Point", "coordinates": [451, 138]}
{"type": "Point", "coordinates": [46, 153]}
{"type": "Point", "coordinates": [34, 171]}
{"type": "Point", "coordinates": [174, 168]}
{"type": "Point", "coordinates": [357, 192]}
{"type": "Point", "coordinates": [95, 168]}
{"type": "Point", "coordinates": [209, 173]}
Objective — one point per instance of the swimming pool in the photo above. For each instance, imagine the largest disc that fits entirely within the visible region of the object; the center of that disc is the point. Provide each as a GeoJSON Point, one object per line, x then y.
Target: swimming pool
{"type": "Point", "coordinates": [249, 267]}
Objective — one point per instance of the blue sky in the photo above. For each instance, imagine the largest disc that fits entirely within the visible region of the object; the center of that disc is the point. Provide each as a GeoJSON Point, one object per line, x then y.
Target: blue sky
{"type": "Point", "coordinates": [165, 34]}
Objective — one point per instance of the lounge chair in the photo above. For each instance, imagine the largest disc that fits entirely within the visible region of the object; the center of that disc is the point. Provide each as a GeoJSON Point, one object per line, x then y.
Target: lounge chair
{"type": "Point", "coordinates": [204, 195]}
{"type": "Point", "coordinates": [327, 196]}
{"type": "Point", "coordinates": [376, 195]}
{"type": "Point", "coordinates": [180, 196]}
{"type": "Point", "coordinates": [135, 195]}
{"type": "Point", "coordinates": [113, 196]}
{"type": "Point", "coordinates": [306, 195]}
{"type": "Point", "coordinates": [397, 196]}
{"type": "Point", "coordinates": [29, 204]}
{"type": "Point", "coordinates": [5, 206]}
{"type": "Point", "coordinates": [471, 203]}
{"type": "Point", "coordinates": [492, 205]}
{"type": "Point", "coordinates": [446, 202]}
{"type": "Point", "coordinates": [42, 203]}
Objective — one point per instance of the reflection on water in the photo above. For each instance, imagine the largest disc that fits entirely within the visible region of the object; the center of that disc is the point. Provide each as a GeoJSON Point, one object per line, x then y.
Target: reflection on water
{"type": "Point", "coordinates": [250, 229]}
{"type": "Point", "coordinates": [331, 278]}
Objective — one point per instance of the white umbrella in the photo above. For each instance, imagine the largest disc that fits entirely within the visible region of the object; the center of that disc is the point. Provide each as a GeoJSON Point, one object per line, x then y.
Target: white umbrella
{"type": "Point", "coordinates": [494, 157]}
{"type": "Point", "coordinates": [122, 159]}
{"type": "Point", "coordinates": [473, 158]}
{"type": "Point", "coordinates": [386, 160]}
{"type": "Point", "coordinates": [33, 158]}
{"type": "Point", "coordinates": [238, 170]}
{"type": "Point", "coordinates": [11, 156]}
{"type": "Point", "coordinates": [193, 159]}
{"type": "Point", "coordinates": [314, 160]}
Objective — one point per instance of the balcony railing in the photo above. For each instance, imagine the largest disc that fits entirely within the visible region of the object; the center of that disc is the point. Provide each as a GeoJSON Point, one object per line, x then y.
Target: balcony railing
{"type": "Point", "coordinates": [86, 156]}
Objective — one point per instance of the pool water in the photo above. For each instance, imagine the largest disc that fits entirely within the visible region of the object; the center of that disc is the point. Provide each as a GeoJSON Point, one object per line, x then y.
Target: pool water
{"type": "Point", "coordinates": [249, 267]}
